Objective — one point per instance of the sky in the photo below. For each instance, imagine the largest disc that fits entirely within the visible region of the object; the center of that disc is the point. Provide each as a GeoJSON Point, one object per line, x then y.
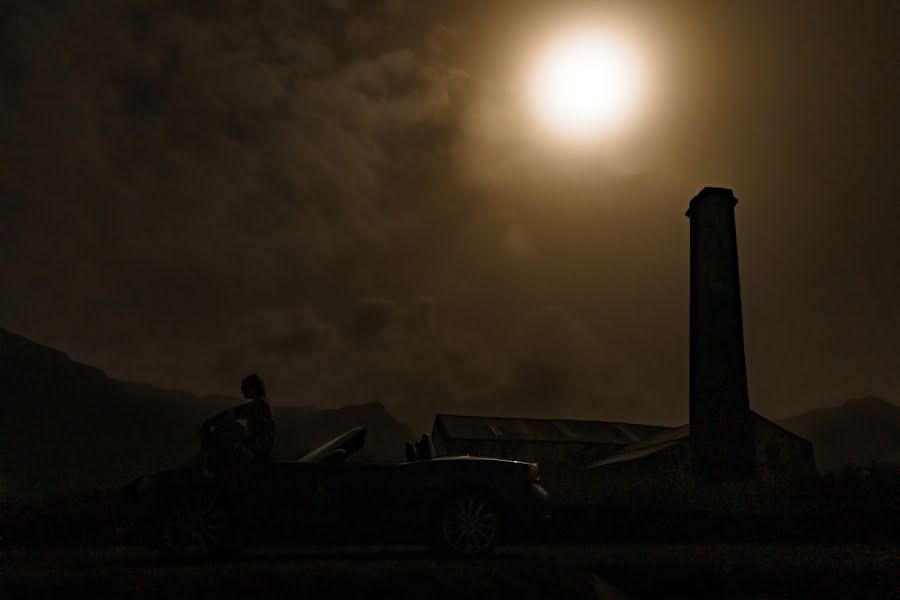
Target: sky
{"type": "Point", "coordinates": [354, 199]}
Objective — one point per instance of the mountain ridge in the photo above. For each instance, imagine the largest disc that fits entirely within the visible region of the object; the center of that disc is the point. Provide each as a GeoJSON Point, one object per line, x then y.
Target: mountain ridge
{"type": "Point", "coordinates": [857, 431]}
{"type": "Point", "coordinates": [68, 427]}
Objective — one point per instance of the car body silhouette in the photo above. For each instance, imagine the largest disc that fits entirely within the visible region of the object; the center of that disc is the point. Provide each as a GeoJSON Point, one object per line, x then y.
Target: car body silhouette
{"type": "Point", "coordinates": [458, 505]}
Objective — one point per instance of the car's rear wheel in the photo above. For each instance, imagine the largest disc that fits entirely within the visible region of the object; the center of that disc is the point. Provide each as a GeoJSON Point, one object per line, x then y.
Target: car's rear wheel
{"type": "Point", "coordinates": [467, 525]}
{"type": "Point", "coordinates": [196, 525]}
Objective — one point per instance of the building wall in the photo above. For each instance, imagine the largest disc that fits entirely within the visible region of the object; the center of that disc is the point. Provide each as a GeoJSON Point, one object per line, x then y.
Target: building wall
{"type": "Point", "coordinates": [663, 477]}
{"type": "Point", "coordinates": [545, 454]}
{"type": "Point", "coordinates": [784, 467]}
{"type": "Point", "coordinates": [784, 462]}
{"type": "Point", "coordinates": [562, 466]}
{"type": "Point", "coordinates": [782, 459]}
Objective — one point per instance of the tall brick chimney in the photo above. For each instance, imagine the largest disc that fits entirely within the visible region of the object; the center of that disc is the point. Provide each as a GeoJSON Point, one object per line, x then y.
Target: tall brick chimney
{"type": "Point", "coordinates": [721, 429]}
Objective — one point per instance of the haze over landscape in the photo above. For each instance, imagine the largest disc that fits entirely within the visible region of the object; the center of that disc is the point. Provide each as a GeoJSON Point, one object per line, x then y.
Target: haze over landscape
{"type": "Point", "coordinates": [351, 199]}
{"type": "Point", "coordinates": [470, 299]}
{"type": "Point", "coordinates": [85, 431]}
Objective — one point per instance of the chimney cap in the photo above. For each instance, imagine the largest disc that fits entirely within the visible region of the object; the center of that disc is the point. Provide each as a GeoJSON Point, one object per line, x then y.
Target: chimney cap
{"type": "Point", "coordinates": [712, 196]}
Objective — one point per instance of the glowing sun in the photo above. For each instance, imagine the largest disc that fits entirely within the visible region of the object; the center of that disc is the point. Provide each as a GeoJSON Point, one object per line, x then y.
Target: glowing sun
{"type": "Point", "coordinates": [584, 83]}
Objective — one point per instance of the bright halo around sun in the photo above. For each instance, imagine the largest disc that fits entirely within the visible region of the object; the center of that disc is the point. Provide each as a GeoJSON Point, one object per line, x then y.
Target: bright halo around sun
{"type": "Point", "coordinates": [585, 84]}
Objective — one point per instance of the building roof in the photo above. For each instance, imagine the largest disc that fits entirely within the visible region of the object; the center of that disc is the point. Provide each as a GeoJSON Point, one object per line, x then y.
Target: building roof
{"type": "Point", "coordinates": [629, 454]}
{"type": "Point", "coordinates": [649, 446]}
{"type": "Point", "coordinates": [669, 437]}
{"type": "Point", "coordinates": [462, 427]}
{"type": "Point", "coordinates": [775, 425]}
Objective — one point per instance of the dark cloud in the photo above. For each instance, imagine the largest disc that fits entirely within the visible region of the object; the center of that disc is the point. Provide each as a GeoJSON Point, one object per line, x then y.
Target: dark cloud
{"type": "Point", "coordinates": [372, 317]}
{"type": "Point", "coordinates": [405, 356]}
{"type": "Point", "coordinates": [293, 335]}
{"type": "Point", "coordinates": [195, 189]}
{"type": "Point", "coordinates": [538, 386]}
{"type": "Point", "coordinates": [422, 314]}
{"type": "Point", "coordinates": [238, 154]}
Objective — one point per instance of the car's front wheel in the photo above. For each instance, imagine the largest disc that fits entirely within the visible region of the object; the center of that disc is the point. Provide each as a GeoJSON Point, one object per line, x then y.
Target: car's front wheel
{"type": "Point", "coordinates": [196, 526]}
{"type": "Point", "coordinates": [467, 525]}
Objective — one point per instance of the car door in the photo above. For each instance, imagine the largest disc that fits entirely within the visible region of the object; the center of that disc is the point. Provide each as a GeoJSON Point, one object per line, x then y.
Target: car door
{"type": "Point", "coordinates": [283, 498]}
{"type": "Point", "coordinates": [363, 500]}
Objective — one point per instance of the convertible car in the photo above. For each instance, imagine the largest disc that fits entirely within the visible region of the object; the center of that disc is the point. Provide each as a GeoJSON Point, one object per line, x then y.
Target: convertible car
{"type": "Point", "coordinates": [458, 505]}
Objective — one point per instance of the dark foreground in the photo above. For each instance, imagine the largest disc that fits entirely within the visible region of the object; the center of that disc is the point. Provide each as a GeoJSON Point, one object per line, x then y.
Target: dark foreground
{"type": "Point", "coordinates": [548, 571]}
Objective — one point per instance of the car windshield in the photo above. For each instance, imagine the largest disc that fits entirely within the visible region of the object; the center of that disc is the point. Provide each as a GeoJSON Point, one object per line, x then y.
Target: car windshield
{"type": "Point", "coordinates": [350, 442]}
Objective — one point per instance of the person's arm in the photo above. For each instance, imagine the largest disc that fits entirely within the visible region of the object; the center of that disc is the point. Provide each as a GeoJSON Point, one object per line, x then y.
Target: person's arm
{"type": "Point", "coordinates": [229, 414]}
{"type": "Point", "coordinates": [241, 411]}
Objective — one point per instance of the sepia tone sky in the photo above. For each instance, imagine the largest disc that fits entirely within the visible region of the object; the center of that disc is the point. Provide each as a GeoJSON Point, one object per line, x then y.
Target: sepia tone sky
{"type": "Point", "coordinates": [354, 199]}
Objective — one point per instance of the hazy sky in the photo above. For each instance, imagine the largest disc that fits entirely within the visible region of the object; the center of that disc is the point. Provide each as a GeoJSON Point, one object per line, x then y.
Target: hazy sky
{"type": "Point", "coordinates": [355, 199]}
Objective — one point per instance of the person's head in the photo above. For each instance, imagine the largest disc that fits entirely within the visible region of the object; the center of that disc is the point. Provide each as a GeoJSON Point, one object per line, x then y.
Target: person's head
{"type": "Point", "coordinates": [253, 387]}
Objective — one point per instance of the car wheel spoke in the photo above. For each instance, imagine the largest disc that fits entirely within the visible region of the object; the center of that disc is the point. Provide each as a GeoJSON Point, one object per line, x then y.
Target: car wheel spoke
{"type": "Point", "coordinates": [469, 525]}
{"type": "Point", "coordinates": [195, 526]}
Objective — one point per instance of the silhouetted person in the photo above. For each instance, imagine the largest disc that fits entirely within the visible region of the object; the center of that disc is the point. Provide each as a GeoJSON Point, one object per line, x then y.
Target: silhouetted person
{"type": "Point", "coordinates": [256, 443]}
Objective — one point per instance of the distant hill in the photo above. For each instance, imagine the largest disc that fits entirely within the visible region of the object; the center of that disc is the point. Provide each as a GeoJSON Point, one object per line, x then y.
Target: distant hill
{"type": "Point", "coordinates": [68, 427]}
{"type": "Point", "coordinates": [858, 431]}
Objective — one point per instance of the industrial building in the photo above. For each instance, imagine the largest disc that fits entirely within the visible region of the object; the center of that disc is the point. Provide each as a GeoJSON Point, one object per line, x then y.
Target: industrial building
{"type": "Point", "coordinates": [725, 445]}
{"type": "Point", "coordinates": [545, 441]}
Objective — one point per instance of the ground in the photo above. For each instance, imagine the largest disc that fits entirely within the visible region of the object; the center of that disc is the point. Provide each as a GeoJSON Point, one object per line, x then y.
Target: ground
{"type": "Point", "coordinates": [547, 571]}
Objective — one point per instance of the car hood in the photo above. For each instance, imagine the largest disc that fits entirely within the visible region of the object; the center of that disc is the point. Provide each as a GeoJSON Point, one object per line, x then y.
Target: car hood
{"type": "Point", "coordinates": [477, 458]}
